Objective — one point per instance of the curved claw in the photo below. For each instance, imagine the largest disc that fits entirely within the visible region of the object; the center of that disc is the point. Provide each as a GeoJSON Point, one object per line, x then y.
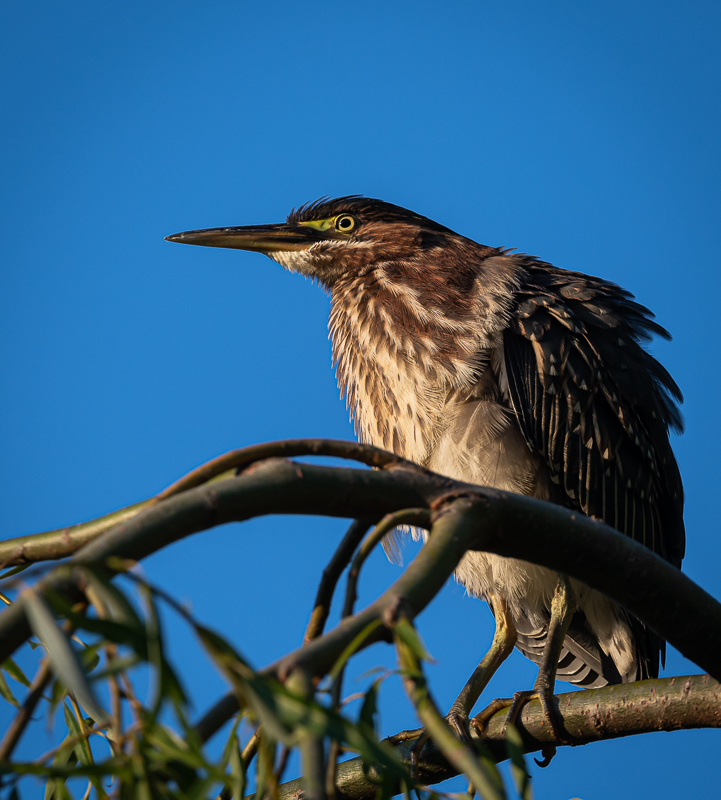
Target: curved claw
{"type": "Point", "coordinates": [515, 704]}
{"type": "Point", "coordinates": [483, 717]}
{"type": "Point", "coordinates": [416, 751]}
{"type": "Point", "coordinates": [459, 722]}
{"type": "Point", "coordinates": [547, 756]}
{"type": "Point", "coordinates": [404, 736]}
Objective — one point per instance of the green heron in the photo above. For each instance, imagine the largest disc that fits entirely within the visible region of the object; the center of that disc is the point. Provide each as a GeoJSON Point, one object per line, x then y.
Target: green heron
{"type": "Point", "coordinates": [499, 369]}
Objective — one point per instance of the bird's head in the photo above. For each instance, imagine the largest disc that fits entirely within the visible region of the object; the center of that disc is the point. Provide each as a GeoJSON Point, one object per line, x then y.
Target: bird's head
{"type": "Point", "coordinates": [329, 239]}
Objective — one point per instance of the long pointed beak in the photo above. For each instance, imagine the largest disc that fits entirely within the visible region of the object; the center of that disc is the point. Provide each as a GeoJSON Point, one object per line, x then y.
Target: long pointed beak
{"type": "Point", "coordinates": [259, 238]}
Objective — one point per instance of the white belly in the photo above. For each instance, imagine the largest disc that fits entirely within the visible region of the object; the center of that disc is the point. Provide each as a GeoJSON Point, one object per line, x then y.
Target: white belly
{"type": "Point", "coordinates": [483, 445]}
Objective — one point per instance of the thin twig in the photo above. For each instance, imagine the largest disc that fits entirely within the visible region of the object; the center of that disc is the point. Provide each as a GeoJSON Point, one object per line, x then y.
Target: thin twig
{"type": "Point", "coordinates": [19, 723]}
{"type": "Point", "coordinates": [251, 748]}
{"type": "Point", "coordinates": [310, 744]}
{"type": "Point", "coordinates": [63, 542]}
{"type": "Point", "coordinates": [242, 458]}
{"type": "Point", "coordinates": [282, 764]}
{"type": "Point", "coordinates": [111, 653]}
{"type": "Point", "coordinates": [407, 516]}
{"type": "Point", "coordinates": [331, 574]}
{"type": "Point", "coordinates": [484, 776]}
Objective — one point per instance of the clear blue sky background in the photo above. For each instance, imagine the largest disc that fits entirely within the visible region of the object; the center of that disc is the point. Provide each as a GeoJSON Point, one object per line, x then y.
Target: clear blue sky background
{"type": "Point", "coordinates": [587, 134]}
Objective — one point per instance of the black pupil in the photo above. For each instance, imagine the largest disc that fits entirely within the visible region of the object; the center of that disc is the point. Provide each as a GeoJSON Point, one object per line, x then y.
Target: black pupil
{"type": "Point", "coordinates": [345, 223]}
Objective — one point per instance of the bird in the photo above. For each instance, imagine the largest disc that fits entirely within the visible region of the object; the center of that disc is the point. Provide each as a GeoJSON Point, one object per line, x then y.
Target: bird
{"type": "Point", "coordinates": [496, 368]}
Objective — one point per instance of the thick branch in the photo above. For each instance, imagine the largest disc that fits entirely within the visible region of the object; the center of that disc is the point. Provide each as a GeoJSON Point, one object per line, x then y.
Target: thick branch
{"type": "Point", "coordinates": [593, 715]}
{"type": "Point", "coordinates": [490, 520]}
{"type": "Point", "coordinates": [64, 542]}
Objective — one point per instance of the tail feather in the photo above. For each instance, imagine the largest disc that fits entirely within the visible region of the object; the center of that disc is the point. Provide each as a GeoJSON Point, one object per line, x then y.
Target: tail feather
{"type": "Point", "coordinates": [582, 662]}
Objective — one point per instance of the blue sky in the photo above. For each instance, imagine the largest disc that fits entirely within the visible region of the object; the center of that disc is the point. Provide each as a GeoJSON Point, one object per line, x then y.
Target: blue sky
{"type": "Point", "coordinates": [584, 134]}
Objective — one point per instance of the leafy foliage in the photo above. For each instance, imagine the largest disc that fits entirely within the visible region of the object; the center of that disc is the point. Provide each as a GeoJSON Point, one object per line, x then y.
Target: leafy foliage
{"type": "Point", "coordinates": [97, 639]}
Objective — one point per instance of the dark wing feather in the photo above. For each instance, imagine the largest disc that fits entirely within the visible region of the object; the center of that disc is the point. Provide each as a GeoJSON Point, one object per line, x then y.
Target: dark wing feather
{"type": "Point", "coordinates": [597, 408]}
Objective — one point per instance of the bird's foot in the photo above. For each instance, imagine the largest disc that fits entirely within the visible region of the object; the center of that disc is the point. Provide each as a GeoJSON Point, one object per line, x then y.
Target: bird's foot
{"type": "Point", "coordinates": [459, 724]}
{"type": "Point", "coordinates": [515, 704]}
{"type": "Point", "coordinates": [483, 717]}
{"type": "Point", "coordinates": [405, 736]}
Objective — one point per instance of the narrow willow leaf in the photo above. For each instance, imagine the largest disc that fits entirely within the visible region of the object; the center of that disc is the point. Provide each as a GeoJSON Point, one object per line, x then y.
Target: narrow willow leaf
{"type": "Point", "coordinates": [200, 789]}
{"type": "Point", "coordinates": [168, 758]}
{"type": "Point", "coordinates": [265, 761]}
{"type": "Point", "coordinates": [479, 768]}
{"type": "Point", "coordinates": [519, 771]}
{"type": "Point", "coordinates": [385, 788]}
{"type": "Point", "coordinates": [101, 770]}
{"type": "Point", "coordinates": [61, 654]}
{"type": "Point", "coordinates": [409, 636]}
{"type": "Point", "coordinates": [237, 781]}
{"type": "Point", "coordinates": [171, 745]}
{"type": "Point", "coordinates": [15, 571]}
{"type": "Point", "coordinates": [113, 599]}
{"type": "Point", "coordinates": [6, 692]}
{"type": "Point", "coordinates": [351, 648]}
{"type": "Point", "coordinates": [58, 693]}
{"type": "Point", "coordinates": [368, 716]}
{"type": "Point", "coordinates": [64, 757]}
{"type": "Point", "coordinates": [14, 671]}
{"type": "Point", "coordinates": [89, 657]}
{"type": "Point", "coordinates": [155, 651]}
{"type": "Point", "coordinates": [118, 665]}
{"type": "Point", "coordinates": [141, 789]}
{"type": "Point", "coordinates": [82, 748]}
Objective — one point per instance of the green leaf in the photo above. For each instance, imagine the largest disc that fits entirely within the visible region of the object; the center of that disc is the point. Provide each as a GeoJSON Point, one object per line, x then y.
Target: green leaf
{"type": "Point", "coordinates": [117, 665]}
{"type": "Point", "coordinates": [167, 684]}
{"type": "Point", "coordinates": [109, 767]}
{"type": "Point", "coordinates": [83, 751]}
{"type": "Point", "coordinates": [368, 717]}
{"type": "Point", "coordinates": [283, 713]}
{"type": "Point", "coordinates": [385, 787]}
{"type": "Point", "coordinates": [519, 772]}
{"type": "Point", "coordinates": [264, 763]}
{"type": "Point", "coordinates": [75, 727]}
{"type": "Point", "coordinates": [141, 789]}
{"type": "Point", "coordinates": [14, 571]}
{"type": "Point", "coordinates": [232, 756]}
{"type": "Point", "coordinates": [171, 745]}
{"type": "Point", "coordinates": [167, 754]}
{"type": "Point", "coordinates": [89, 657]}
{"type": "Point", "coordinates": [58, 693]}
{"type": "Point", "coordinates": [64, 757]}
{"type": "Point", "coordinates": [131, 636]}
{"type": "Point", "coordinates": [351, 648]}
{"type": "Point", "coordinates": [61, 654]}
{"type": "Point", "coordinates": [405, 631]}
{"type": "Point", "coordinates": [200, 789]}
{"type": "Point", "coordinates": [14, 671]}
{"type": "Point", "coordinates": [116, 604]}
{"type": "Point", "coordinates": [6, 692]}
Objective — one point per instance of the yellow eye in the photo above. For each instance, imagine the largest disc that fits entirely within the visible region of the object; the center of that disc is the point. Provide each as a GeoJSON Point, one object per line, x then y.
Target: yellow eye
{"type": "Point", "coordinates": [345, 223]}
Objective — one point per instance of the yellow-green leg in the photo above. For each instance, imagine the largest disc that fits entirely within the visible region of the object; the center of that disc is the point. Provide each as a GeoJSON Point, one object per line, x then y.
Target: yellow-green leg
{"type": "Point", "coordinates": [504, 640]}
{"type": "Point", "coordinates": [563, 606]}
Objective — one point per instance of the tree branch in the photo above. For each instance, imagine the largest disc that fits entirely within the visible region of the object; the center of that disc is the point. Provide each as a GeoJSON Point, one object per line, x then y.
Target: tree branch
{"type": "Point", "coordinates": [591, 715]}
{"type": "Point", "coordinates": [468, 517]}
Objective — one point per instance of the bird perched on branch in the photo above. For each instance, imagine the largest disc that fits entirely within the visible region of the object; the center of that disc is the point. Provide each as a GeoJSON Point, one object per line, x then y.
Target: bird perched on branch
{"type": "Point", "coordinates": [499, 369]}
